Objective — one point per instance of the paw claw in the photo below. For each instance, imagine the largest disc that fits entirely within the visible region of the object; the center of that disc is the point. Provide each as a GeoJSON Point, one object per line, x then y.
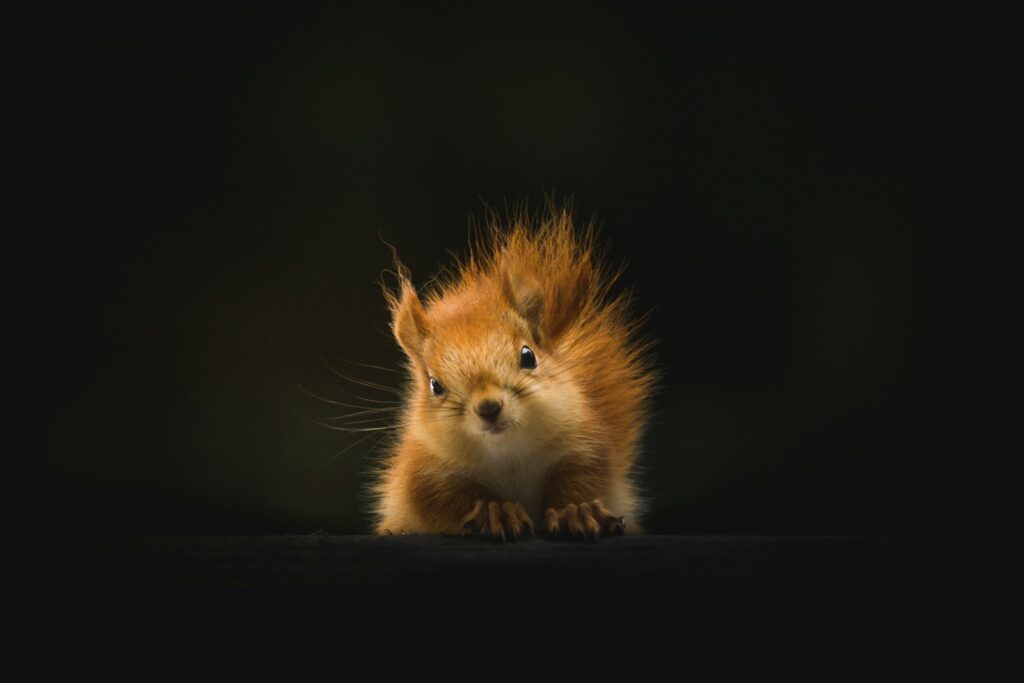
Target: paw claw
{"type": "Point", "coordinates": [502, 522]}
{"type": "Point", "coordinates": [586, 521]}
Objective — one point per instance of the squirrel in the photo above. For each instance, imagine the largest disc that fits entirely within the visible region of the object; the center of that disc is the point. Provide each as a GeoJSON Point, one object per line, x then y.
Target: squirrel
{"type": "Point", "coordinates": [528, 391]}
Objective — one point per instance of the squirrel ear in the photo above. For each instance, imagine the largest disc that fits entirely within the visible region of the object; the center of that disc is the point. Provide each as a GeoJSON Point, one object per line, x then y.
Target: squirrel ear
{"type": "Point", "coordinates": [525, 295]}
{"type": "Point", "coordinates": [409, 321]}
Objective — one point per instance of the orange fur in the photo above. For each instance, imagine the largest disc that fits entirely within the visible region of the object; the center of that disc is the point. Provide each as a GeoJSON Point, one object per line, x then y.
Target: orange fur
{"type": "Point", "coordinates": [561, 452]}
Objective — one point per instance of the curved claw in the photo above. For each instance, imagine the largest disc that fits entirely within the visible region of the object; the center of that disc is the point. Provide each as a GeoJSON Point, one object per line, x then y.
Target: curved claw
{"type": "Point", "coordinates": [590, 520]}
{"type": "Point", "coordinates": [506, 521]}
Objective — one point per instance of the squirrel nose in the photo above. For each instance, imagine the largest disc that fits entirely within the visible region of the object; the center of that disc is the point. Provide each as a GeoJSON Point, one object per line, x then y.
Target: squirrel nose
{"type": "Point", "coordinates": [488, 409]}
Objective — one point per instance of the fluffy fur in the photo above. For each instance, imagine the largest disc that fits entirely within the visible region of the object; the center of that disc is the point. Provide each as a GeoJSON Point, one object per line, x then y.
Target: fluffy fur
{"type": "Point", "coordinates": [560, 456]}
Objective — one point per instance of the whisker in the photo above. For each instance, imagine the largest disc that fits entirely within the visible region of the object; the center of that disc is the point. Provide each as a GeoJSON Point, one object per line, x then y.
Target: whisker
{"type": "Point", "coordinates": [459, 395]}
{"type": "Point", "coordinates": [362, 382]}
{"type": "Point", "coordinates": [369, 384]}
{"type": "Point", "coordinates": [452, 405]}
{"type": "Point", "coordinates": [360, 413]}
{"type": "Point", "coordinates": [356, 430]}
{"type": "Point", "coordinates": [563, 370]}
{"type": "Point", "coordinates": [346, 449]}
{"type": "Point", "coordinates": [342, 429]}
{"type": "Point", "coordinates": [339, 403]}
{"type": "Point", "coordinates": [371, 420]}
{"type": "Point", "coordinates": [367, 399]}
{"type": "Point", "coordinates": [374, 367]}
{"type": "Point", "coordinates": [545, 381]}
{"type": "Point", "coordinates": [438, 418]}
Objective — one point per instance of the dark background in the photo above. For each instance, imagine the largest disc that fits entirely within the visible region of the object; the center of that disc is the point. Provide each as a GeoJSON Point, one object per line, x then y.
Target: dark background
{"type": "Point", "coordinates": [218, 181]}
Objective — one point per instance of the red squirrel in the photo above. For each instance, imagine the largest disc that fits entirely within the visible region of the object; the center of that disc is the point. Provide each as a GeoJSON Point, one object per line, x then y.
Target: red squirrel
{"type": "Point", "coordinates": [527, 396]}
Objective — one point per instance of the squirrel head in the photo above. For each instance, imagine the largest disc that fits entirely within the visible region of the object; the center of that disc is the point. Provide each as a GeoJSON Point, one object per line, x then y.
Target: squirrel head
{"type": "Point", "coordinates": [487, 374]}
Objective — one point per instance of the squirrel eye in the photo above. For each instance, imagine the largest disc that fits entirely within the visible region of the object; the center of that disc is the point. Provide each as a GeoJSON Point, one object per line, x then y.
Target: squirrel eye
{"type": "Point", "coordinates": [527, 359]}
{"type": "Point", "coordinates": [436, 387]}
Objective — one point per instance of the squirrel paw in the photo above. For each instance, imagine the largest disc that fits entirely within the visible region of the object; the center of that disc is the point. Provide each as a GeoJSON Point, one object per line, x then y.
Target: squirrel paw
{"type": "Point", "coordinates": [588, 521]}
{"type": "Point", "coordinates": [503, 521]}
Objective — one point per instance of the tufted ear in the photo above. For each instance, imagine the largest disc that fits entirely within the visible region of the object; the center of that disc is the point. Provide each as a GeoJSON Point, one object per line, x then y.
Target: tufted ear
{"type": "Point", "coordinates": [525, 296]}
{"type": "Point", "coordinates": [409, 321]}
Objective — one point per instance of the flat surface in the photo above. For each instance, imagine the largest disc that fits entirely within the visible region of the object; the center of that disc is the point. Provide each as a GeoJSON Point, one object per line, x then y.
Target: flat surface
{"type": "Point", "coordinates": [679, 562]}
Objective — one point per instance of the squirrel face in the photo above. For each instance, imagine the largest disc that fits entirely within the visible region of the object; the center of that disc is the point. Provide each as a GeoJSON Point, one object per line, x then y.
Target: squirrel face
{"type": "Point", "coordinates": [484, 382]}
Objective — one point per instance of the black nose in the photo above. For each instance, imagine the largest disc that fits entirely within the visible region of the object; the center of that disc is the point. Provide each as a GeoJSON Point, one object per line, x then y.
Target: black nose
{"type": "Point", "coordinates": [488, 409]}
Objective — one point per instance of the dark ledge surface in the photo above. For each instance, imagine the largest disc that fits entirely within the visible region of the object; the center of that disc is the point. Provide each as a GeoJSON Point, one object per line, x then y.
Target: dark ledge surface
{"type": "Point", "coordinates": [864, 564]}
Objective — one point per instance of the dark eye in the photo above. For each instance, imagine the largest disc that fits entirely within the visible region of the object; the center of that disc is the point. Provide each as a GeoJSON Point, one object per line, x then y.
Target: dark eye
{"type": "Point", "coordinates": [527, 359]}
{"type": "Point", "coordinates": [436, 387]}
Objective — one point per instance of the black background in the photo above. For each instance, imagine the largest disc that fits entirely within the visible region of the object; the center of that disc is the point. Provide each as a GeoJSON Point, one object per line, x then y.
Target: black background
{"type": "Point", "coordinates": [217, 181]}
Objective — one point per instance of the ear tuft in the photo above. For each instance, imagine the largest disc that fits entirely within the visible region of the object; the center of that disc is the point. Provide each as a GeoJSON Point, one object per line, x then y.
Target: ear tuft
{"type": "Point", "coordinates": [409, 321]}
{"type": "Point", "coordinates": [525, 296]}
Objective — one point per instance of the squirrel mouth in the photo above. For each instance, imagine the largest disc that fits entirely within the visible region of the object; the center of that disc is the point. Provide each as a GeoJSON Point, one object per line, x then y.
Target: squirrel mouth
{"type": "Point", "coordinates": [496, 429]}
